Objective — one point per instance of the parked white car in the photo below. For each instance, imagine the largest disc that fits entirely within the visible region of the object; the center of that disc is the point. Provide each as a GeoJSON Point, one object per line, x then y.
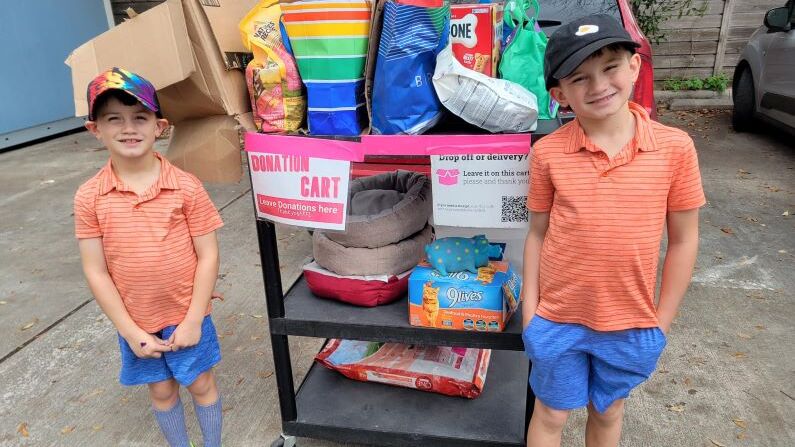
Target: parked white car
{"type": "Point", "coordinates": [764, 80]}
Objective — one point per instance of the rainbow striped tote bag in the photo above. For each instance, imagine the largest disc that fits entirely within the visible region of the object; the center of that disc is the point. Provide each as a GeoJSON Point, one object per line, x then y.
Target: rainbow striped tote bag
{"type": "Point", "coordinates": [329, 40]}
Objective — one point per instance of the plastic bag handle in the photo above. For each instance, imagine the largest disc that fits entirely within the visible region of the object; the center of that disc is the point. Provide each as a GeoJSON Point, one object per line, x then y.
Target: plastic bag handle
{"type": "Point", "coordinates": [536, 10]}
{"type": "Point", "coordinates": [521, 8]}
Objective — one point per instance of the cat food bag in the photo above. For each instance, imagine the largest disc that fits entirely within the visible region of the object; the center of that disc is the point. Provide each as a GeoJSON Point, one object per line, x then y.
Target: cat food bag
{"type": "Point", "coordinates": [274, 85]}
{"type": "Point", "coordinates": [437, 369]}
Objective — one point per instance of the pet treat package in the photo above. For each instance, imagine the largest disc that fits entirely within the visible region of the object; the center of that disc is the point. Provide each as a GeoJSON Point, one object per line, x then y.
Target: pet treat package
{"type": "Point", "coordinates": [476, 36]}
{"type": "Point", "coordinates": [482, 301]}
{"type": "Point", "coordinates": [437, 369]}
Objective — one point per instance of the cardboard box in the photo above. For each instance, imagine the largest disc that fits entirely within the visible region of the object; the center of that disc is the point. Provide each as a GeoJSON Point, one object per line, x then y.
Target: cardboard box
{"type": "Point", "coordinates": [481, 302]}
{"type": "Point", "coordinates": [226, 88]}
{"type": "Point", "coordinates": [476, 36]}
{"type": "Point", "coordinates": [224, 17]}
{"type": "Point", "coordinates": [171, 45]}
{"type": "Point", "coordinates": [209, 148]}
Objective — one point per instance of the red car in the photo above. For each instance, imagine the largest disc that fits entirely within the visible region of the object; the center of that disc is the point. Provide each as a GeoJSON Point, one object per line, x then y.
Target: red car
{"type": "Point", "coordinates": [553, 14]}
{"type": "Point", "coordinates": [622, 10]}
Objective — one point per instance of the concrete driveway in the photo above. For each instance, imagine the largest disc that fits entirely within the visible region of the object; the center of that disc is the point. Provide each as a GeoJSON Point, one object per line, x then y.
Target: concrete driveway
{"type": "Point", "coordinates": [727, 377]}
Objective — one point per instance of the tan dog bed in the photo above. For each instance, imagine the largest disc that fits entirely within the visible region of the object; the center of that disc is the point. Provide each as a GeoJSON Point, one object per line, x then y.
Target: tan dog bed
{"type": "Point", "coordinates": [391, 259]}
{"type": "Point", "coordinates": [385, 209]}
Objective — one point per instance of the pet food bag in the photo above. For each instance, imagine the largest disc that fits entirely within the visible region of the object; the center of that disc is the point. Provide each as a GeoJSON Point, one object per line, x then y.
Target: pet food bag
{"type": "Point", "coordinates": [274, 85]}
{"type": "Point", "coordinates": [496, 105]}
{"type": "Point", "coordinates": [438, 369]}
{"type": "Point", "coordinates": [329, 40]}
{"type": "Point", "coordinates": [403, 97]}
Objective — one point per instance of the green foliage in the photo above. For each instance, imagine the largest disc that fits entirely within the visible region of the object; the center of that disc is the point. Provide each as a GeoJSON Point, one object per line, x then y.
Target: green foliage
{"type": "Point", "coordinates": [683, 84]}
{"type": "Point", "coordinates": [717, 83]}
{"type": "Point", "coordinates": [651, 14]}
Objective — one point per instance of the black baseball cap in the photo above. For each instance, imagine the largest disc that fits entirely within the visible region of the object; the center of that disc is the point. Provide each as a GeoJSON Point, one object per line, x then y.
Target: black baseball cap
{"type": "Point", "coordinates": [571, 44]}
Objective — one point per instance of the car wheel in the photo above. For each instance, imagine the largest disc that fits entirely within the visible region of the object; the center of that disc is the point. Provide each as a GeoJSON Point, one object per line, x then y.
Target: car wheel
{"type": "Point", "coordinates": [744, 102]}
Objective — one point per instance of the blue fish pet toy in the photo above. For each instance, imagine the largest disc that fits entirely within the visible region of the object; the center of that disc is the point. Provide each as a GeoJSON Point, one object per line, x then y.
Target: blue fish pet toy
{"type": "Point", "coordinates": [457, 254]}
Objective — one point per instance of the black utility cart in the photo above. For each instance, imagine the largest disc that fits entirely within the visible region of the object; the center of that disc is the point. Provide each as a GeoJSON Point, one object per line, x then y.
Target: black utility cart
{"type": "Point", "coordinates": [327, 405]}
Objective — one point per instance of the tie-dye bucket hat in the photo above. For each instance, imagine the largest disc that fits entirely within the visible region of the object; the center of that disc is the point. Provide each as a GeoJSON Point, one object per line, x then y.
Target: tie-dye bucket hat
{"type": "Point", "coordinates": [126, 81]}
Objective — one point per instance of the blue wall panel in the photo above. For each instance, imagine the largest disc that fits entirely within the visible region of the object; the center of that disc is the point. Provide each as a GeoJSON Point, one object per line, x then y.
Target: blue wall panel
{"type": "Point", "coordinates": [36, 36]}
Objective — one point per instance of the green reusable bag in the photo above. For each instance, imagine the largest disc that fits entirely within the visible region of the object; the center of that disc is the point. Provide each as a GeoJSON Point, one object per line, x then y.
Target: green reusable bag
{"type": "Point", "coordinates": [523, 59]}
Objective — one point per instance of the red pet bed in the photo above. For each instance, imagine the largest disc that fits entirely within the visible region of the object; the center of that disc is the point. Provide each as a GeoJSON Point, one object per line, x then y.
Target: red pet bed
{"type": "Point", "coordinates": [366, 291]}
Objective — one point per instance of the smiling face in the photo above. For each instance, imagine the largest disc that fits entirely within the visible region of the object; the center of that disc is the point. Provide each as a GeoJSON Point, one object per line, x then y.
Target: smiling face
{"type": "Point", "coordinates": [127, 131]}
{"type": "Point", "coordinates": [601, 85]}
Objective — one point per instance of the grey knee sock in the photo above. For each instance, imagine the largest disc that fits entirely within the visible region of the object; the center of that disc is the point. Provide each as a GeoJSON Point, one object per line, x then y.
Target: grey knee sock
{"type": "Point", "coordinates": [210, 421]}
{"type": "Point", "coordinates": [172, 424]}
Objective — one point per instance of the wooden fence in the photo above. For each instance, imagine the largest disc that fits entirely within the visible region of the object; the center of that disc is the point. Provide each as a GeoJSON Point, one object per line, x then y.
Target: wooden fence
{"type": "Point", "coordinates": [710, 44]}
{"type": "Point", "coordinates": [694, 47]}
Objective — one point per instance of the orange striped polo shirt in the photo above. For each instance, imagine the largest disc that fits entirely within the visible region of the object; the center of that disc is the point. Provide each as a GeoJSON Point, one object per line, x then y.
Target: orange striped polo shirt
{"type": "Point", "coordinates": [148, 239]}
{"type": "Point", "coordinates": [600, 253]}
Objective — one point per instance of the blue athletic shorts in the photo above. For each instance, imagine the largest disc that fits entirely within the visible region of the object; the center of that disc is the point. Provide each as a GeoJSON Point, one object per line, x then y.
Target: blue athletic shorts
{"type": "Point", "coordinates": [184, 365]}
{"type": "Point", "coordinates": [573, 364]}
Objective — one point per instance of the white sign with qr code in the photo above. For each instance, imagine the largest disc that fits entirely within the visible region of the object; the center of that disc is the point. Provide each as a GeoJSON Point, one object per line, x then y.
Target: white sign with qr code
{"type": "Point", "coordinates": [480, 190]}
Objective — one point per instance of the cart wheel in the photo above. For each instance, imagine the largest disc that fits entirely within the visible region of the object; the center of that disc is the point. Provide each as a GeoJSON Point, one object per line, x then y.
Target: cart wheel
{"type": "Point", "coordinates": [284, 441]}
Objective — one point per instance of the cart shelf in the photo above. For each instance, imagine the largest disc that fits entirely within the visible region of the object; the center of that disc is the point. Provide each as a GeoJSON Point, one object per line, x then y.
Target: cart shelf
{"type": "Point", "coordinates": [333, 407]}
{"type": "Point", "coordinates": [307, 315]}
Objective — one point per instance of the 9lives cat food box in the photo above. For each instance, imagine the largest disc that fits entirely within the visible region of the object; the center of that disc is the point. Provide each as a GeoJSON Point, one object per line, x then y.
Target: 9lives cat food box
{"type": "Point", "coordinates": [482, 301]}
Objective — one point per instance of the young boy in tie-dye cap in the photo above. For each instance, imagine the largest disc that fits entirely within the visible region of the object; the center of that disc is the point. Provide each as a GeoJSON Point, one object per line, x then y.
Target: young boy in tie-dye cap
{"type": "Point", "coordinates": [146, 233]}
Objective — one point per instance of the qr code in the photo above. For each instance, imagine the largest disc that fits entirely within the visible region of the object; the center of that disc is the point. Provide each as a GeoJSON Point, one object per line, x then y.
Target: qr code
{"type": "Point", "coordinates": [514, 209]}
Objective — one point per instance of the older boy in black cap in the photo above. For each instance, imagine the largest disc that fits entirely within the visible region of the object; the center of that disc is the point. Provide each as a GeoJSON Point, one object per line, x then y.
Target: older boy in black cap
{"type": "Point", "coordinates": [602, 189]}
